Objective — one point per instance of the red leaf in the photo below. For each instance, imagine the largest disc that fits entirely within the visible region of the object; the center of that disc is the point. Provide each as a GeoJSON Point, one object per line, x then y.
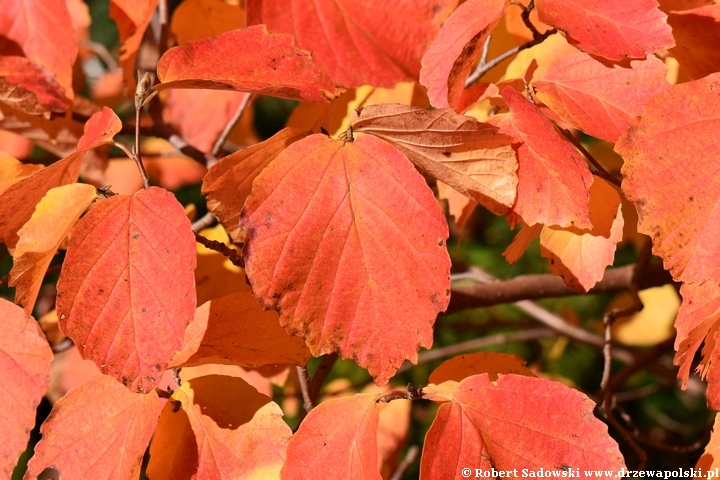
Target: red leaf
{"type": "Point", "coordinates": [218, 427]}
{"type": "Point", "coordinates": [25, 365]}
{"type": "Point", "coordinates": [698, 40]}
{"type": "Point", "coordinates": [132, 18]}
{"type": "Point", "coordinates": [127, 290]}
{"type": "Point", "coordinates": [30, 88]}
{"type": "Point", "coordinates": [271, 65]}
{"type": "Point", "coordinates": [614, 29]}
{"type": "Point", "coordinates": [358, 43]}
{"type": "Point", "coordinates": [597, 99]}
{"type": "Point", "coordinates": [228, 183]}
{"type": "Point", "coordinates": [449, 60]}
{"type": "Point", "coordinates": [98, 430]}
{"type": "Point", "coordinates": [234, 330]}
{"type": "Point", "coordinates": [517, 422]}
{"type": "Point", "coordinates": [554, 180]}
{"type": "Point", "coordinates": [17, 203]}
{"type": "Point", "coordinates": [338, 439]}
{"type": "Point", "coordinates": [361, 233]}
{"type": "Point", "coordinates": [42, 31]}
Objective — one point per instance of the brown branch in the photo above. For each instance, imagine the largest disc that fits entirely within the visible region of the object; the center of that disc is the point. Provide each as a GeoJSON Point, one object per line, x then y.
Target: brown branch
{"type": "Point", "coordinates": [102, 52]}
{"type": "Point", "coordinates": [525, 16]}
{"type": "Point", "coordinates": [244, 105]}
{"type": "Point", "coordinates": [234, 256]}
{"type": "Point", "coordinates": [164, 42]}
{"type": "Point", "coordinates": [599, 169]}
{"type": "Point", "coordinates": [318, 379]}
{"type": "Point", "coordinates": [410, 457]}
{"type": "Point", "coordinates": [305, 389]}
{"type": "Point", "coordinates": [206, 221]}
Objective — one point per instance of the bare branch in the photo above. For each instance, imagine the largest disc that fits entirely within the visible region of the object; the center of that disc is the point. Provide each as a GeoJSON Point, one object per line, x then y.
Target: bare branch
{"type": "Point", "coordinates": [410, 457]}
{"type": "Point", "coordinates": [217, 147]}
{"type": "Point", "coordinates": [303, 378]}
{"type": "Point", "coordinates": [206, 221]}
{"type": "Point", "coordinates": [599, 169]}
{"type": "Point", "coordinates": [234, 256]}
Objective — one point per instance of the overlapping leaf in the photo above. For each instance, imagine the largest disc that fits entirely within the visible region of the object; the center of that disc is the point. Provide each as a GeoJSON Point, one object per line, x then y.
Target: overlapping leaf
{"type": "Point", "coordinates": [127, 290]}
{"type": "Point", "coordinates": [57, 212]}
{"type": "Point", "coordinates": [598, 99]}
{"type": "Point", "coordinates": [554, 180]}
{"type": "Point", "coordinates": [458, 368]}
{"type": "Point", "coordinates": [697, 33]}
{"type": "Point", "coordinates": [613, 29]}
{"type": "Point", "coordinates": [25, 362]}
{"type": "Point", "coordinates": [515, 422]}
{"type": "Point", "coordinates": [196, 19]}
{"type": "Point", "coordinates": [219, 427]}
{"type": "Point", "coordinates": [12, 171]}
{"type": "Point", "coordinates": [338, 439]}
{"type": "Point", "coordinates": [30, 88]}
{"type": "Point", "coordinates": [358, 43]}
{"type": "Point", "coordinates": [17, 203]}
{"type": "Point", "coordinates": [215, 275]}
{"type": "Point", "coordinates": [234, 330]}
{"type": "Point", "coordinates": [348, 243]}
{"type": "Point", "coordinates": [99, 429]}
{"type": "Point", "coordinates": [271, 65]}
{"type": "Point", "coordinates": [132, 18]}
{"type": "Point", "coordinates": [459, 206]}
{"type": "Point", "coordinates": [469, 156]}
{"type": "Point", "coordinates": [228, 183]}
{"type": "Point", "coordinates": [450, 58]}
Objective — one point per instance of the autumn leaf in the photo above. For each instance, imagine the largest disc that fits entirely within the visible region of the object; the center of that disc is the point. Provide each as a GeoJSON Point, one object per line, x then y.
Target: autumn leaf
{"type": "Point", "coordinates": [127, 290]}
{"type": "Point", "coordinates": [554, 180]}
{"type": "Point", "coordinates": [132, 18]}
{"type": "Point", "coordinates": [555, 423]}
{"type": "Point", "coordinates": [363, 232]}
{"type": "Point", "coordinates": [218, 427]}
{"type": "Point", "coordinates": [459, 206]}
{"type": "Point", "coordinates": [215, 275]}
{"type": "Point", "coordinates": [58, 135]}
{"type": "Point", "coordinates": [449, 60]}
{"type": "Point", "coordinates": [12, 170]}
{"type": "Point", "coordinates": [18, 202]}
{"type": "Point", "coordinates": [234, 330]}
{"type": "Point", "coordinates": [25, 362]}
{"type": "Point", "coordinates": [698, 39]}
{"type": "Point", "coordinates": [600, 100]}
{"type": "Point", "coordinates": [458, 368]}
{"type": "Point", "coordinates": [467, 155]}
{"type": "Point", "coordinates": [55, 215]}
{"type": "Point", "coordinates": [358, 43]}
{"type": "Point", "coordinates": [30, 88]}
{"type": "Point", "coordinates": [338, 439]}
{"type": "Point", "coordinates": [651, 325]}
{"type": "Point", "coordinates": [99, 428]}
{"type": "Point", "coordinates": [196, 19]}
{"type": "Point", "coordinates": [613, 29]}
{"type": "Point", "coordinates": [542, 55]}
{"type": "Point", "coordinates": [710, 459]}
{"type": "Point", "coordinates": [272, 65]}
{"type": "Point", "coordinates": [43, 33]}
{"type": "Point", "coordinates": [228, 183]}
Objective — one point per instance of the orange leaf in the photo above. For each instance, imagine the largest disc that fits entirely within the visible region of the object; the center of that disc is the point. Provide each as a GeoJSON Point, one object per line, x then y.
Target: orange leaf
{"type": "Point", "coordinates": [127, 290]}
{"type": "Point", "coordinates": [54, 217]}
{"type": "Point", "coordinates": [459, 206]}
{"type": "Point", "coordinates": [43, 32]}
{"type": "Point", "coordinates": [449, 60]}
{"type": "Point", "coordinates": [362, 232]}
{"type": "Point", "coordinates": [99, 429]}
{"type": "Point", "coordinates": [25, 365]}
{"type": "Point", "coordinates": [17, 203]}
{"type": "Point", "coordinates": [12, 171]}
{"type": "Point", "coordinates": [698, 40]}
{"type": "Point", "coordinates": [710, 459]}
{"type": "Point", "coordinates": [554, 180]}
{"type": "Point", "coordinates": [58, 135]}
{"type": "Point", "coordinates": [271, 65]}
{"type": "Point", "coordinates": [215, 275]}
{"type": "Point", "coordinates": [234, 330]}
{"type": "Point", "coordinates": [228, 183]}
{"type": "Point", "coordinates": [469, 156]}
{"type": "Point", "coordinates": [30, 88]}
{"type": "Point", "coordinates": [492, 363]}
{"type": "Point", "coordinates": [521, 242]}
{"type": "Point", "coordinates": [338, 439]}
{"type": "Point", "coordinates": [132, 18]}
{"type": "Point", "coordinates": [67, 371]}
{"type": "Point", "coordinates": [218, 427]}
{"type": "Point", "coordinates": [597, 99]}
{"type": "Point", "coordinates": [358, 43]}
{"type": "Point", "coordinates": [613, 29]}
{"type": "Point", "coordinates": [196, 19]}
{"type": "Point", "coordinates": [516, 422]}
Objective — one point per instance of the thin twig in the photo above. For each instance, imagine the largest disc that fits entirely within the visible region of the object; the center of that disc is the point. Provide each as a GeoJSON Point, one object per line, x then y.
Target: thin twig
{"type": "Point", "coordinates": [410, 457]}
{"type": "Point", "coordinates": [525, 16]}
{"type": "Point", "coordinates": [303, 379]}
{"type": "Point", "coordinates": [206, 221]}
{"type": "Point", "coordinates": [163, 130]}
{"type": "Point", "coordinates": [606, 408]}
{"type": "Point", "coordinates": [485, 50]}
{"type": "Point", "coordinates": [176, 377]}
{"type": "Point", "coordinates": [318, 379]}
{"type": "Point", "coordinates": [234, 256]}
{"type": "Point", "coordinates": [64, 345]}
{"type": "Point", "coordinates": [217, 147]}
{"type": "Point", "coordinates": [599, 169]}
{"type": "Point", "coordinates": [102, 52]}
{"type": "Point", "coordinates": [164, 27]}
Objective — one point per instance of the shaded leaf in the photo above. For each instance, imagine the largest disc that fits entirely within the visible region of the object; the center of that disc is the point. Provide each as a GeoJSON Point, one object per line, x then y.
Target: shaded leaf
{"type": "Point", "coordinates": [25, 362]}
{"type": "Point", "coordinates": [542, 55]}
{"type": "Point", "coordinates": [358, 43]}
{"type": "Point", "coordinates": [492, 363]}
{"type": "Point", "coordinates": [99, 428]}
{"type": "Point", "coordinates": [459, 206]}
{"type": "Point", "coordinates": [234, 330]}
{"type": "Point", "coordinates": [228, 183]}
{"type": "Point", "coordinates": [54, 217]}
{"type": "Point", "coordinates": [467, 155]}
{"type": "Point", "coordinates": [12, 170]}
{"type": "Point", "coordinates": [697, 33]}
{"type": "Point", "coordinates": [127, 290]}
{"type": "Point", "coordinates": [613, 29]}
{"type": "Point", "coordinates": [218, 427]}
{"type": "Point", "coordinates": [30, 88]}
{"type": "Point", "coordinates": [450, 59]}
{"type": "Point", "coordinates": [67, 371]}
{"type": "Point", "coordinates": [516, 422]}
{"type": "Point", "coordinates": [597, 99]}
{"type": "Point", "coordinates": [272, 65]}
{"type": "Point", "coordinates": [132, 18]}
{"type": "Point", "coordinates": [363, 232]}
{"type": "Point", "coordinates": [215, 275]}
{"type": "Point", "coordinates": [196, 19]}
{"type": "Point", "coordinates": [337, 439]}
{"type": "Point", "coordinates": [58, 135]}
{"type": "Point", "coordinates": [554, 180]}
